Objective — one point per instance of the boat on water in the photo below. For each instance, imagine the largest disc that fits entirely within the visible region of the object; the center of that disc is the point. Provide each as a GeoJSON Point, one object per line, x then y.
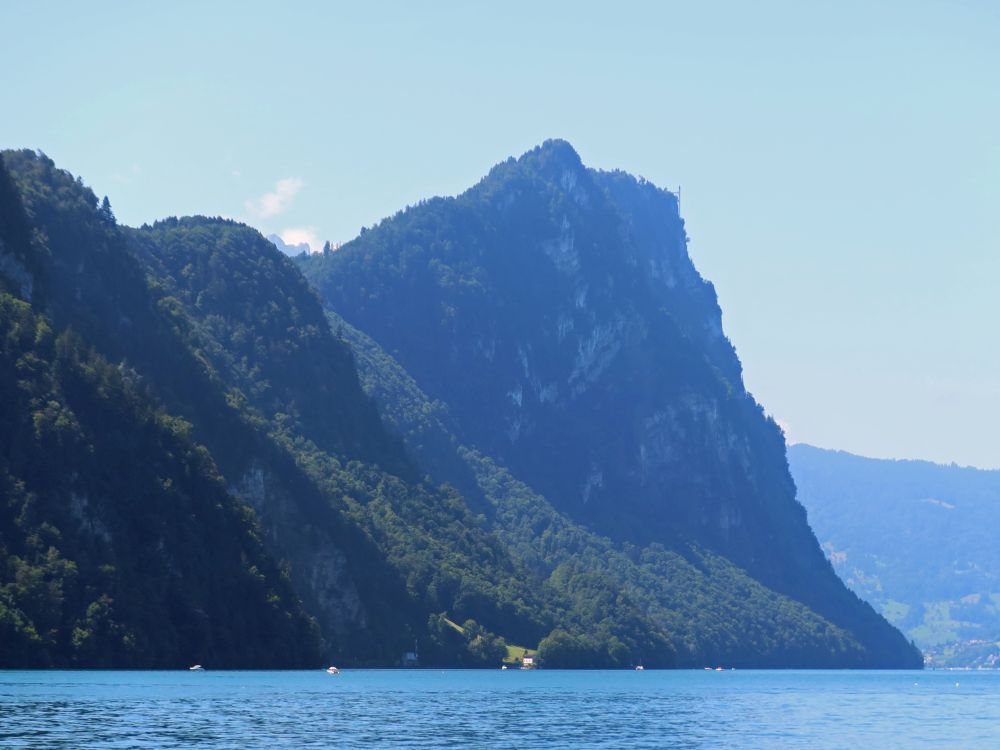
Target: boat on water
{"type": "Point", "coordinates": [639, 668]}
{"type": "Point", "coordinates": [332, 670]}
{"type": "Point", "coordinates": [503, 667]}
{"type": "Point", "coordinates": [196, 668]}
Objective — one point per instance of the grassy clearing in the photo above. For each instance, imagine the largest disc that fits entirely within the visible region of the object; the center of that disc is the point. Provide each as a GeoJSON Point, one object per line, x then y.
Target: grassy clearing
{"type": "Point", "coordinates": [455, 625]}
{"type": "Point", "coordinates": [514, 653]}
{"type": "Point", "coordinates": [895, 612]}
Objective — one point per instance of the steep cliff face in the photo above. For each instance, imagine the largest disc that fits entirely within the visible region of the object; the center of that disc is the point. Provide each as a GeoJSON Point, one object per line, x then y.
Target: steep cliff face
{"type": "Point", "coordinates": [673, 607]}
{"type": "Point", "coordinates": [556, 313]}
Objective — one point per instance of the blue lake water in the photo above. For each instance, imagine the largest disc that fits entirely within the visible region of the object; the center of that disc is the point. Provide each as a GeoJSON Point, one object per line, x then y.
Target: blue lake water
{"type": "Point", "coordinates": [512, 709]}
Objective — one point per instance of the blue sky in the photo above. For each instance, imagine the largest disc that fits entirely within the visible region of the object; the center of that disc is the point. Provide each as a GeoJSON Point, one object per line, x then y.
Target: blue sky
{"type": "Point", "coordinates": [840, 161]}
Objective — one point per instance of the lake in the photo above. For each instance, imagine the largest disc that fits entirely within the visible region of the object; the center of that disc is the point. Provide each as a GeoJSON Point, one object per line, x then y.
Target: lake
{"type": "Point", "coordinates": [511, 709]}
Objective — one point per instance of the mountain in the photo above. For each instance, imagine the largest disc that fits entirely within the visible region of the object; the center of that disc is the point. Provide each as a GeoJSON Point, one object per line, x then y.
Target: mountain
{"type": "Point", "coordinates": [412, 549]}
{"type": "Point", "coordinates": [202, 461]}
{"type": "Point", "coordinates": [911, 537]}
{"type": "Point", "coordinates": [543, 342]}
{"type": "Point", "coordinates": [302, 247]}
{"type": "Point", "coordinates": [221, 336]}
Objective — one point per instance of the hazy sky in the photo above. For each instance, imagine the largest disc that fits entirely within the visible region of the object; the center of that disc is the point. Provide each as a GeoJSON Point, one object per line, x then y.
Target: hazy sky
{"type": "Point", "coordinates": [840, 162]}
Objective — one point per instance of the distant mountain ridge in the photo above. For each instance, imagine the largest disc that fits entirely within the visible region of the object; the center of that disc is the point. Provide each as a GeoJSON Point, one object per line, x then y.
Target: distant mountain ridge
{"type": "Point", "coordinates": [912, 537]}
{"type": "Point", "coordinates": [287, 249]}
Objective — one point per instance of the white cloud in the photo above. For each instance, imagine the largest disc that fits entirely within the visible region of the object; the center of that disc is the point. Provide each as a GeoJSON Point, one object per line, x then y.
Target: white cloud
{"type": "Point", "coordinates": [298, 235]}
{"type": "Point", "coordinates": [278, 200]}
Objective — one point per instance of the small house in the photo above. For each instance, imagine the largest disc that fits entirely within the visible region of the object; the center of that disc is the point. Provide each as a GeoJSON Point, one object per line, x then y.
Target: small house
{"type": "Point", "coordinates": [410, 658]}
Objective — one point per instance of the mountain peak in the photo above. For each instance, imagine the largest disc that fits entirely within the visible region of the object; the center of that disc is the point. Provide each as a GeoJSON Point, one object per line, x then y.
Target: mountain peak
{"type": "Point", "coordinates": [554, 158]}
{"type": "Point", "coordinates": [555, 162]}
{"type": "Point", "coordinates": [556, 149]}
{"type": "Point", "coordinates": [289, 248]}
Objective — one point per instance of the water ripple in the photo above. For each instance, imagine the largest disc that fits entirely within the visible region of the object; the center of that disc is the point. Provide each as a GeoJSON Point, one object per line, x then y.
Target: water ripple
{"type": "Point", "coordinates": [472, 709]}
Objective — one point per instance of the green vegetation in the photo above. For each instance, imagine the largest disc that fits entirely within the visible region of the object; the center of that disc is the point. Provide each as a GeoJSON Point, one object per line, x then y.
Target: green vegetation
{"type": "Point", "coordinates": [195, 465]}
{"type": "Point", "coordinates": [895, 611]}
{"type": "Point", "coordinates": [216, 327]}
{"type": "Point", "coordinates": [516, 653]}
{"type": "Point", "coordinates": [466, 645]}
{"type": "Point", "coordinates": [938, 627]}
{"type": "Point", "coordinates": [136, 557]}
{"type": "Point", "coordinates": [912, 538]}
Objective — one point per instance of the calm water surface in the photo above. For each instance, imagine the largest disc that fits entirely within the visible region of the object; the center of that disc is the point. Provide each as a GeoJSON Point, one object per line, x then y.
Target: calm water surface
{"type": "Point", "coordinates": [512, 709]}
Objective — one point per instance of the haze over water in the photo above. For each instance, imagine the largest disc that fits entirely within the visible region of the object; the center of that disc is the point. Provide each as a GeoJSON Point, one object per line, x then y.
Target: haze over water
{"type": "Point", "coordinates": [512, 709]}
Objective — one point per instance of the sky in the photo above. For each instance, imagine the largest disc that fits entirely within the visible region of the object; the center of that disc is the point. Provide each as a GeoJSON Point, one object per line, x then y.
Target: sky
{"type": "Point", "coordinates": [839, 161]}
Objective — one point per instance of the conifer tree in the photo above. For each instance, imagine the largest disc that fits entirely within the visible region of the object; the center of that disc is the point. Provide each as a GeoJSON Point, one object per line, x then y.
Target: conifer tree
{"type": "Point", "coordinates": [106, 211]}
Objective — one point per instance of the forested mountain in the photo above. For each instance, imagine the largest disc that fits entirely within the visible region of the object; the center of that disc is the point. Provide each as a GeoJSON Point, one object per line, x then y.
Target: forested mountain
{"type": "Point", "coordinates": [557, 326]}
{"type": "Point", "coordinates": [196, 467]}
{"type": "Point", "coordinates": [216, 328]}
{"type": "Point", "coordinates": [119, 543]}
{"type": "Point", "coordinates": [912, 537]}
{"type": "Point", "coordinates": [249, 313]}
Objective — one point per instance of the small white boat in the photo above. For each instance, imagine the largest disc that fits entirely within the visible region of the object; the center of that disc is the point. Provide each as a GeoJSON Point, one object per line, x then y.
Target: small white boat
{"type": "Point", "coordinates": [640, 668]}
{"type": "Point", "coordinates": [196, 668]}
{"type": "Point", "coordinates": [503, 667]}
{"type": "Point", "coordinates": [332, 670]}
{"type": "Point", "coordinates": [719, 669]}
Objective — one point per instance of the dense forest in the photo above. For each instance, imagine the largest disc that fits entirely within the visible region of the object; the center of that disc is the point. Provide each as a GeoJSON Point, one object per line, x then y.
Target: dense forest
{"type": "Point", "coordinates": [201, 463]}
{"type": "Point", "coordinates": [371, 554]}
